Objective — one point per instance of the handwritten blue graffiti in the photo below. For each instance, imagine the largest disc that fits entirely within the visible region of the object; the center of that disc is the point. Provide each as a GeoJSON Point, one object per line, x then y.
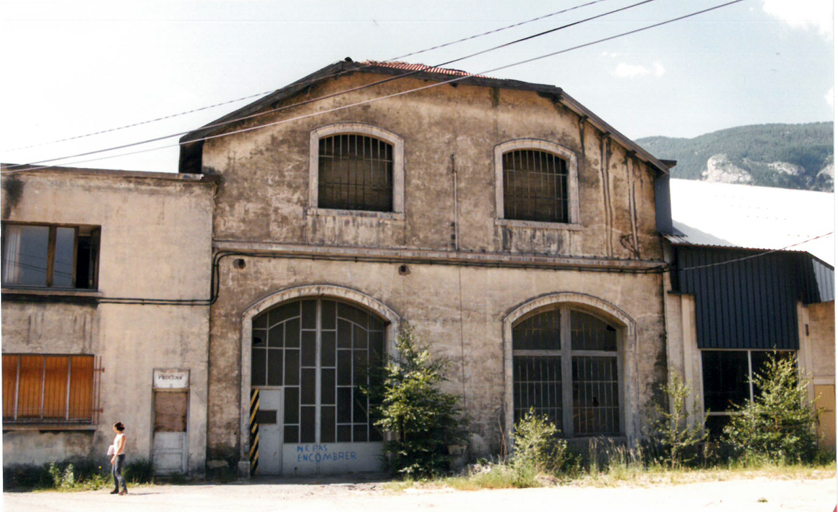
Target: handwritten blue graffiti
{"type": "Point", "coordinates": [318, 453]}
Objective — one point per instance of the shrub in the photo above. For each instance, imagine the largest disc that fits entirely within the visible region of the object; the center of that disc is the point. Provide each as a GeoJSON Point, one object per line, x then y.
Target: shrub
{"type": "Point", "coordinates": [538, 447]}
{"type": "Point", "coordinates": [680, 442]}
{"type": "Point", "coordinates": [779, 424]}
{"type": "Point", "coordinates": [73, 474]}
{"type": "Point", "coordinates": [140, 471]}
{"type": "Point", "coordinates": [423, 420]}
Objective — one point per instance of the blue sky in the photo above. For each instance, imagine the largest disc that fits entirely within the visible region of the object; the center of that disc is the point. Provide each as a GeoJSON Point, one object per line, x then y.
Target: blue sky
{"type": "Point", "coordinates": [74, 67]}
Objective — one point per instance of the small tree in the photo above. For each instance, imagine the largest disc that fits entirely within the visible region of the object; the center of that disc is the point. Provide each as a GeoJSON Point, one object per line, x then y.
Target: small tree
{"type": "Point", "coordinates": [423, 420]}
{"type": "Point", "coordinates": [538, 447]}
{"type": "Point", "coordinates": [779, 424]}
{"type": "Point", "coordinates": [671, 427]}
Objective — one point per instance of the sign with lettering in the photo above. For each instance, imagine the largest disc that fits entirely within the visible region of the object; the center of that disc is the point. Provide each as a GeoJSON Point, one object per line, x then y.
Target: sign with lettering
{"type": "Point", "coordinates": [171, 379]}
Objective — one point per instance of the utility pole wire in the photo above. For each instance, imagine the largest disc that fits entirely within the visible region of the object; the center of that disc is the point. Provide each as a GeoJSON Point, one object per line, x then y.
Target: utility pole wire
{"type": "Point", "coordinates": [754, 255]}
{"type": "Point", "coordinates": [264, 93]}
{"type": "Point", "coordinates": [339, 93]}
{"type": "Point", "coordinates": [373, 100]}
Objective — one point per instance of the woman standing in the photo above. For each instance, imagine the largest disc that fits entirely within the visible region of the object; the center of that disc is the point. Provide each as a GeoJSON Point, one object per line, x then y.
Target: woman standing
{"type": "Point", "coordinates": [118, 459]}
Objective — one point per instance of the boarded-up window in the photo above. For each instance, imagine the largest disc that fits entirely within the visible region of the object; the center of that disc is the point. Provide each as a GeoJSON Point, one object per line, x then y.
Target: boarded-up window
{"type": "Point", "coordinates": [355, 173]}
{"type": "Point", "coordinates": [47, 389]}
{"type": "Point", "coordinates": [170, 411]}
{"type": "Point", "coordinates": [535, 186]}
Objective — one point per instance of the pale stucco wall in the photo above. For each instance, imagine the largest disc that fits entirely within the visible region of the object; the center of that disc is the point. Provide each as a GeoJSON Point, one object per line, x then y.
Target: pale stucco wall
{"type": "Point", "coordinates": [155, 243]}
{"type": "Point", "coordinates": [263, 200]}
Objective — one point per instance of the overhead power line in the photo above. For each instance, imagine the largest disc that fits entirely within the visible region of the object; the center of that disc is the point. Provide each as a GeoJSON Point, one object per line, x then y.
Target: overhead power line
{"type": "Point", "coordinates": [342, 92]}
{"type": "Point", "coordinates": [755, 255]}
{"type": "Point", "coordinates": [380, 98]}
{"type": "Point", "coordinates": [256, 95]}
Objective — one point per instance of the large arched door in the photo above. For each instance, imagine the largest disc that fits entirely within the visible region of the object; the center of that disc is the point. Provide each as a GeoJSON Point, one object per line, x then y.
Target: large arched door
{"type": "Point", "coordinates": [311, 360]}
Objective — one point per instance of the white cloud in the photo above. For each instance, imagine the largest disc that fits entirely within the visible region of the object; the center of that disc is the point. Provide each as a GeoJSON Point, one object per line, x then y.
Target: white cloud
{"type": "Point", "coordinates": [625, 70]}
{"type": "Point", "coordinates": [830, 97]}
{"type": "Point", "coordinates": [803, 14]}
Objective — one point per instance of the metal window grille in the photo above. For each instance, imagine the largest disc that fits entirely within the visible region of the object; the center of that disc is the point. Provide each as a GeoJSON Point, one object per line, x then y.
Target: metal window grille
{"type": "Point", "coordinates": [535, 186]}
{"type": "Point", "coordinates": [53, 389]}
{"type": "Point", "coordinates": [355, 173]}
{"type": "Point", "coordinates": [575, 384]}
{"type": "Point", "coordinates": [349, 341]}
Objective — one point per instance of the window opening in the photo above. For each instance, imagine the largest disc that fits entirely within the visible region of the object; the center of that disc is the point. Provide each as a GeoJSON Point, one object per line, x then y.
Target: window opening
{"type": "Point", "coordinates": [321, 352]}
{"type": "Point", "coordinates": [50, 256]}
{"type": "Point", "coordinates": [535, 186]}
{"type": "Point", "coordinates": [726, 378]}
{"type": "Point", "coordinates": [356, 173]}
{"type": "Point", "coordinates": [49, 389]}
{"type": "Point", "coordinates": [566, 366]}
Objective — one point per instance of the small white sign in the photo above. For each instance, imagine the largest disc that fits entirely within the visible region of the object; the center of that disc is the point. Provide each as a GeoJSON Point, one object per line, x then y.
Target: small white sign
{"type": "Point", "coordinates": [171, 379]}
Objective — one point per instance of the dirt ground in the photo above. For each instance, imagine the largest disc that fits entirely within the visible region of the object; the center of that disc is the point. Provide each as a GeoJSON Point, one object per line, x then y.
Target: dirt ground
{"type": "Point", "coordinates": [759, 494]}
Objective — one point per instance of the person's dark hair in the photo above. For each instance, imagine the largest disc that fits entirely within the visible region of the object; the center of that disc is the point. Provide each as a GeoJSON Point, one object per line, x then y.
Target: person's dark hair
{"type": "Point", "coordinates": [119, 426]}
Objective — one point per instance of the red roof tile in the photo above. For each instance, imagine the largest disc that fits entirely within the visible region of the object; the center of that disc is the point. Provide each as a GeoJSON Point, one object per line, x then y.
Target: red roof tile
{"type": "Point", "coordinates": [419, 67]}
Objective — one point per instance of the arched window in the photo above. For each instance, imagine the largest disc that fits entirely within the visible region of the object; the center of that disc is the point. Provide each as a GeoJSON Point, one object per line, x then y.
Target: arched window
{"type": "Point", "coordinates": [356, 168]}
{"type": "Point", "coordinates": [566, 365]}
{"type": "Point", "coordinates": [535, 186]}
{"type": "Point", "coordinates": [318, 353]}
{"type": "Point", "coordinates": [536, 182]}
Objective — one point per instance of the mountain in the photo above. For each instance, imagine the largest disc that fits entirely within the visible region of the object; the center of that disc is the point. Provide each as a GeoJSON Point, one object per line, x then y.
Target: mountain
{"type": "Point", "coordinates": [798, 156]}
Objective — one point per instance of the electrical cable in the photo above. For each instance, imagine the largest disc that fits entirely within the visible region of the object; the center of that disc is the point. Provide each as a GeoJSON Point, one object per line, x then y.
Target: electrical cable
{"type": "Point", "coordinates": [26, 167]}
{"type": "Point", "coordinates": [753, 255]}
{"type": "Point", "coordinates": [264, 93]}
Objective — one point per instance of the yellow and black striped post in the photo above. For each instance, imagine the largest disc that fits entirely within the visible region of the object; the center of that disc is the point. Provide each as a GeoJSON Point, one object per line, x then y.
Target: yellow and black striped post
{"type": "Point", "coordinates": [254, 431]}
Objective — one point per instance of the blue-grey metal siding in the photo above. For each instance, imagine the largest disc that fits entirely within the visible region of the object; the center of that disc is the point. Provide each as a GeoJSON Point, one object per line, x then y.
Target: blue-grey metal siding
{"type": "Point", "coordinates": [752, 303]}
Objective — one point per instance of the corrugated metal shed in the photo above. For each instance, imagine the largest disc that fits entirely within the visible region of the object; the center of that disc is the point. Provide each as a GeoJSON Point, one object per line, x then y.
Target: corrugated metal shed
{"type": "Point", "coordinates": [741, 301]}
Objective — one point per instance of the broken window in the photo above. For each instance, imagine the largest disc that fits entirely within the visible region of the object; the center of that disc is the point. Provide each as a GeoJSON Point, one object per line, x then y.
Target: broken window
{"type": "Point", "coordinates": [50, 256]}
{"type": "Point", "coordinates": [726, 376]}
{"type": "Point", "coordinates": [320, 352]}
{"type": "Point", "coordinates": [355, 173]}
{"type": "Point", "coordinates": [535, 186]}
{"type": "Point", "coordinates": [48, 389]}
{"type": "Point", "coordinates": [566, 365]}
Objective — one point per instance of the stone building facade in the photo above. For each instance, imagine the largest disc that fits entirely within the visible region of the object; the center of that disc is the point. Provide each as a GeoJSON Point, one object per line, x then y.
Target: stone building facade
{"type": "Point", "coordinates": [230, 314]}
{"type": "Point", "coordinates": [80, 349]}
{"type": "Point", "coordinates": [441, 254]}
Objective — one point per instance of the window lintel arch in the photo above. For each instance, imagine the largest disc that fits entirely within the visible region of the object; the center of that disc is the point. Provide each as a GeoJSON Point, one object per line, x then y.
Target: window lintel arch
{"type": "Point", "coordinates": [367, 130]}
{"type": "Point", "coordinates": [548, 147]}
{"type": "Point", "coordinates": [314, 291]}
{"type": "Point", "coordinates": [599, 309]}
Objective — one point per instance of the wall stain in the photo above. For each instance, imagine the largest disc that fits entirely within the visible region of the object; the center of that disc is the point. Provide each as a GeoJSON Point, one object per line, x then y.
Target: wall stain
{"type": "Point", "coordinates": [14, 192]}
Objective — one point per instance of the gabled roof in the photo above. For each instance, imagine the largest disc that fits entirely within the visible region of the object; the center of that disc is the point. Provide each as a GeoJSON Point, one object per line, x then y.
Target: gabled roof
{"type": "Point", "coordinates": [749, 217]}
{"type": "Point", "coordinates": [419, 71]}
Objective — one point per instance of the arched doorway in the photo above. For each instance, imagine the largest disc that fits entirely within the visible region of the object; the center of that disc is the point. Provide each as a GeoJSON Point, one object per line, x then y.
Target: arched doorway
{"type": "Point", "coordinates": [310, 360]}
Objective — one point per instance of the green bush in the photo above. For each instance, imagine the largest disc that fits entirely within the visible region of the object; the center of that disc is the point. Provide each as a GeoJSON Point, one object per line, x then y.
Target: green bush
{"type": "Point", "coordinates": [538, 448]}
{"type": "Point", "coordinates": [140, 471]}
{"type": "Point", "coordinates": [680, 442]}
{"type": "Point", "coordinates": [73, 474]}
{"type": "Point", "coordinates": [779, 424]}
{"type": "Point", "coordinates": [423, 420]}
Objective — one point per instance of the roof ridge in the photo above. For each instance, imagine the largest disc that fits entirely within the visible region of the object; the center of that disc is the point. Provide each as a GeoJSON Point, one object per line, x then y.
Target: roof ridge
{"type": "Point", "coordinates": [407, 66]}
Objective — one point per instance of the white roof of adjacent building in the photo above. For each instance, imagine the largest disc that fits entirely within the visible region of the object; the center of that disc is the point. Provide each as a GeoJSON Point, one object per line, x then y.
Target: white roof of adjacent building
{"type": "Point", "coordinates": [744, 216]}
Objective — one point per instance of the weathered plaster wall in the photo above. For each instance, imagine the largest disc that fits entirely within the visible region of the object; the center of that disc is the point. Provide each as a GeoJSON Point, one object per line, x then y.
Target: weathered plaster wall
{"type": "Point", "coordinates": [264, 196]}
{"type": "Point", "coordinates": [821, 340]}
{"type": "Point", "coordinates": [155, 243]}
{"type": "Point", "coordinates": [449, 137]}
{"type": "Point", "coordinates": [457, 310]}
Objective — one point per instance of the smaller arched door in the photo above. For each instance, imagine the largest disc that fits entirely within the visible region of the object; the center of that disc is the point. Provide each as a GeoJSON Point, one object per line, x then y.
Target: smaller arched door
{"type": "Point", "coordinates": [311, 362]}
{"type": "Point", "coordinates": [567, 365]}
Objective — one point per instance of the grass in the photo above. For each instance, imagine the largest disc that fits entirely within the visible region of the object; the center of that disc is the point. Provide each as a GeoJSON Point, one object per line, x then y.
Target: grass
{"type": "Point", "coordinates": [631, 474]}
